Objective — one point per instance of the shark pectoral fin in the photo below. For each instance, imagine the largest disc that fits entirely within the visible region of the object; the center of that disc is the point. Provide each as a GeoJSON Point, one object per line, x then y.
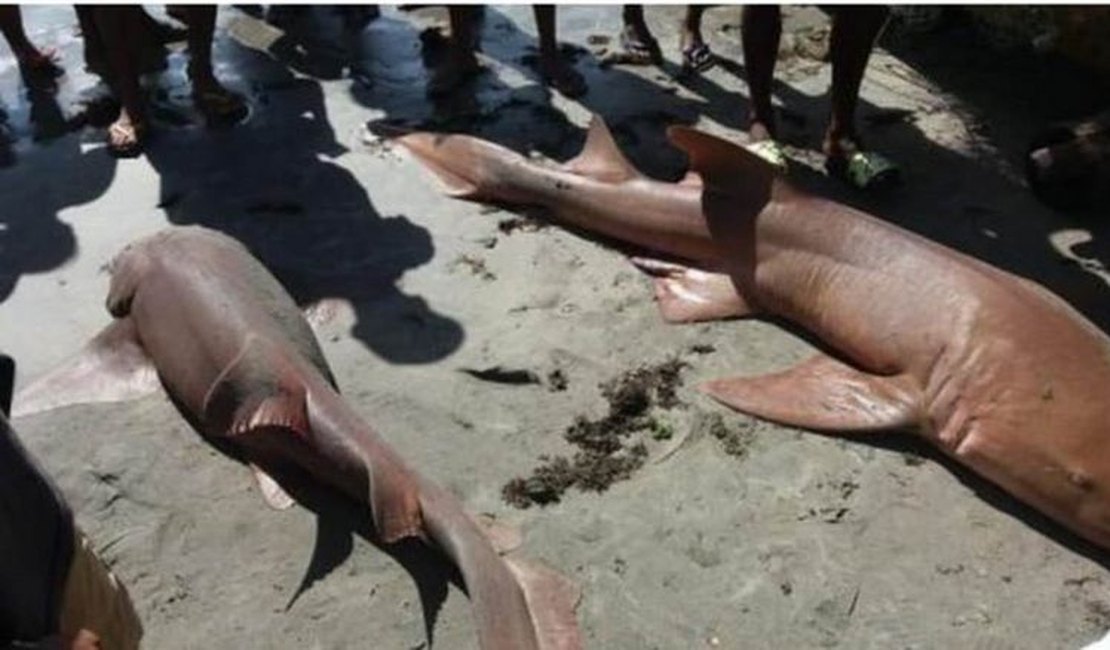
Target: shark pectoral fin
{"type": "Point", "coordinates": [824, 394]}
{"type": "Point", "coordinates": [255, 398]}
{"type": "Point", "coordinates": [257, 390]}
{"type": "Point", "coordinates": [272, 492]}
{"type": "Point", "coordinates": [601, 159]}
{"type": "Point", "coordinates": [689, 295]}
{"type": "Point", "coordinates": [284, 410]}
{"type": "Point", "coordinates": [552, 600]}
{"type": "Point", "coordinates": [112, 367]}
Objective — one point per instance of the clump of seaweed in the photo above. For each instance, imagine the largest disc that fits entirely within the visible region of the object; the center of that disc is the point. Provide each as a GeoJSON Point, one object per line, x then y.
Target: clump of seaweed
{"type": "Point", "coordinates": [606, 452]}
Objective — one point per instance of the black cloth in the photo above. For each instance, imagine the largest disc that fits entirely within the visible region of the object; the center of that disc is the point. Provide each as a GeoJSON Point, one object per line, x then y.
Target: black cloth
{"type": "Point", "coordinates": [36, 544]}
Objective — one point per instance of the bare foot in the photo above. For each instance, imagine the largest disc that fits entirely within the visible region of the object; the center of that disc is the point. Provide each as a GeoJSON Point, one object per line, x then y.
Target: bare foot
{"type": "Point", "coordinates": [690, 295]}
{"type": "Point", "coordinates": [758, 131]}
{"type": "Point", "coordinates": [638, 46]}
{"type": "Point", "coordinates": [696, 55]}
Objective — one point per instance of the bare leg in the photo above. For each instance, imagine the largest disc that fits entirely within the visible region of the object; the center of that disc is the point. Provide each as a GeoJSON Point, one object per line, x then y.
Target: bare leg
{"type": "Point", "coordinates": [853, 36]}
{"type": "Point", "coordinates": [760, 29]}
{"type": "Point", "coordinates": [640, 47]}
{"type": "Point", "coordinates": [461, 64]}
{"type": "Point", "coordinates": [96, 54]}
{"type": "Point", "coordinates": [696, 56]}
{"type": "Point", "coordinates": [555, 71]}
{"type": "Point", "coordinates": [29, 56]}
{"type": "Point", "coordinates": [210, 97]}
{"type": "Point", "coordinates": [116, 28]}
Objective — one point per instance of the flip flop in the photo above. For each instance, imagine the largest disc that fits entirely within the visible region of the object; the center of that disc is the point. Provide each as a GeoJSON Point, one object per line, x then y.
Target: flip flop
{"type": "Point", "coordinates": [864, 170]}
{"type": "Point", "coordinates": [698, 58]}
{"type": "Point", "coordinates": [772, 152]}
{"type": "Point", "coordinates": [639, 51]}
{"type": "Point", "coordinates": [134, 133]}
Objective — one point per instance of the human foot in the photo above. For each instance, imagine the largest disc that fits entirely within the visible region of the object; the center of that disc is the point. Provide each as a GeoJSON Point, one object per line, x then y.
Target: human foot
{"type": "Point", "coordinates": [696, 55]}
{"type": "Point", "coordinates": [761, 142]}
{"type": "Point", "coordinates": [846, 159]}
{"type": "Point", "coordinates": [126, 135]}
{"type": "Point", "coordinates": [638, 46]}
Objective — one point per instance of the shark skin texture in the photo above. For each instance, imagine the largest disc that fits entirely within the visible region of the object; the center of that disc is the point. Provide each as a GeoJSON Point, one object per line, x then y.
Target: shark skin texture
{"type": "Point", "coordinates": [196, 312]}
{"type": "Point", "coordinates": [999, 373]}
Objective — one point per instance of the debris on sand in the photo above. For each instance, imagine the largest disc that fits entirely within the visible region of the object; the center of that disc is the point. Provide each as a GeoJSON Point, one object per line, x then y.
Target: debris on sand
{"type": "Point", "coordinates": [557, 380]}
{"type": "Point", "coordinates": [912, 459]}
{"type": "Point", "coordinates": [703, 348]}
{"type": "Point", "coordinates": [477, 266]}
{"type": "Point", "coordinates": [734, 441]}
{"type": "Point", "coordinates": [610, 448]}
{"type": "Point", "coordinates": [513, 224]}
{"type": "Point", "coordinates": [502, 375]}
{"type": "Point", "coordinates": [838, 495]}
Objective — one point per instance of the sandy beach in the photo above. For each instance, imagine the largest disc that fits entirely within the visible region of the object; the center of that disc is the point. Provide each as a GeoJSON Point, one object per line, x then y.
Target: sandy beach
{"type": "Point", "coordinates": [732, 532]}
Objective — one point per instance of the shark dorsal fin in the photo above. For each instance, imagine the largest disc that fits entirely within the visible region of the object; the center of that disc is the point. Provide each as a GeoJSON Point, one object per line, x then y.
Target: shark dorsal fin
{"type": "Point", "coordinates": [601, 159]}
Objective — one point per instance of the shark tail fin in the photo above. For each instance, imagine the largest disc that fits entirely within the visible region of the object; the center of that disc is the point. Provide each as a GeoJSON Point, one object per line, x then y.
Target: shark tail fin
{"type": "Point", "coordinates": [516, 603]}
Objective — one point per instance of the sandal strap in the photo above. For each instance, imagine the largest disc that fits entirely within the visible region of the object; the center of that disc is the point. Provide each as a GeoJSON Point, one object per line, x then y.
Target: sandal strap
{"type": "Point", "coordinates": [698, 57]}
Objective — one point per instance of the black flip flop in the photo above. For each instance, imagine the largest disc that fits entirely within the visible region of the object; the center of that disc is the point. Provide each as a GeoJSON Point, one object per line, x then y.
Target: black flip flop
{"type": "Point", "coordinates": [698, 58]}
{"type": "Point", "coordinates": [639, 51]}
